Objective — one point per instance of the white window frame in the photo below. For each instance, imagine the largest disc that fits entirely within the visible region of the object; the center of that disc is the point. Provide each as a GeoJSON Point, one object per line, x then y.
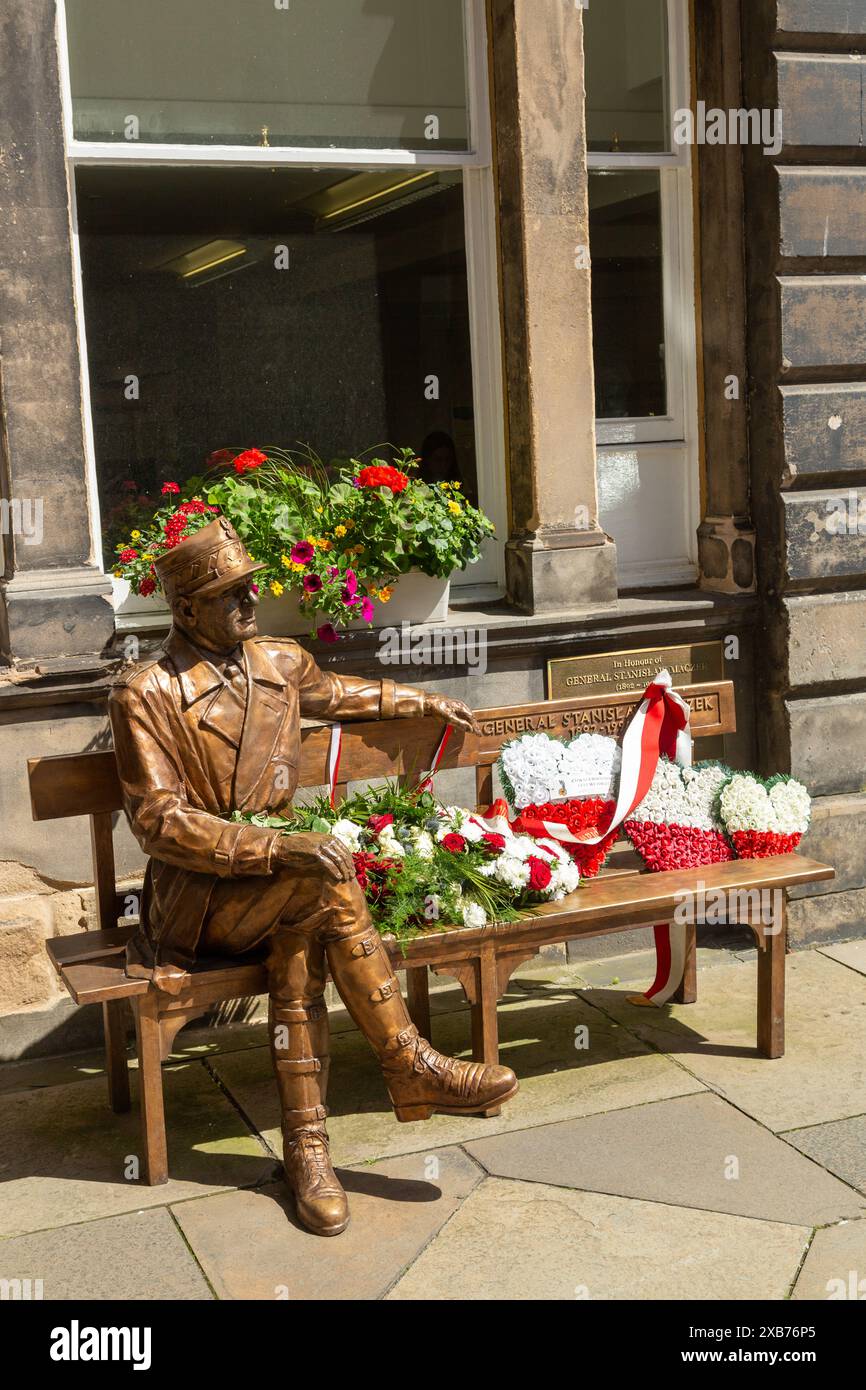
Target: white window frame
{"type": "Point", "coordinates": [674, 434]}
{"type": "Point", "coordinates": [487, 578]}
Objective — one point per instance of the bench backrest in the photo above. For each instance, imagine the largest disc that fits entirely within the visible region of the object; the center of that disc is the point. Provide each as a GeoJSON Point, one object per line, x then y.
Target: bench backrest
{"type": "Point", "coordinates": [80, 784]}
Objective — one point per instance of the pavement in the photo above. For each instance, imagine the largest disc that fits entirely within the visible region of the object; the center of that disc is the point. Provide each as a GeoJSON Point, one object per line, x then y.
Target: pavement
{"type": "Point", "coordinates": [650, 1153]}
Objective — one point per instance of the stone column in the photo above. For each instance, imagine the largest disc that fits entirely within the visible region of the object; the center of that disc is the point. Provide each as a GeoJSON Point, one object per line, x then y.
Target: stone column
{"type": "Point", "coordinates": [557, 555]}
{"type": "Point", "coordinates": [56, 599]}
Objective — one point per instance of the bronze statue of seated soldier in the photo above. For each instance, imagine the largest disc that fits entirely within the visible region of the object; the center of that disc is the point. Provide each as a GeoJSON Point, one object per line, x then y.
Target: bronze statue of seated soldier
{"type": "Point", "coordinates": [212, 725]}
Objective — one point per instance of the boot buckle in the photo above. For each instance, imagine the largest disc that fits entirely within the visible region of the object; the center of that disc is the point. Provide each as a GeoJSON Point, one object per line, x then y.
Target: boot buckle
{"type": "Point", "coordinates": [385, 991]}
{"type": "Point", "coordinates": [366, 947]}
{"type": "Point", "coordinates": [299, 1066]}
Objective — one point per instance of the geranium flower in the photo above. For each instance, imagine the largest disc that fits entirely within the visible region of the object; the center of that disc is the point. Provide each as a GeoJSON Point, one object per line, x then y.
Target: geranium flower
{"type": "Point", "coordinates": [127, 555]}
{"type": "Point", "coordinates": [302, 553]}
{"type": "Point", "coordinates": [328, 633]}
{"type": "Point", "coordinates": [250, 459]}
{"type": "Point", "coordinates": [146, 587]}
{"type": "Point", "coordinates": [383, 476]}
{"type": "Point", "coordinates": [170, 489]}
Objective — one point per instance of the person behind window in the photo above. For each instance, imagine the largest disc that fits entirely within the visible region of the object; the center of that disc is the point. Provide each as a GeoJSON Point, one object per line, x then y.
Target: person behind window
{"type": "Point", "coordinates": [439, 459]}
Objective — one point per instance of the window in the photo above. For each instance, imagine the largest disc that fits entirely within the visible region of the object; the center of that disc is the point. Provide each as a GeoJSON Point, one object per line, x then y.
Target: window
{"type": "Point", "coordinates": [643, 287]}
{"type": "Point", "coordinates": [284, 235]}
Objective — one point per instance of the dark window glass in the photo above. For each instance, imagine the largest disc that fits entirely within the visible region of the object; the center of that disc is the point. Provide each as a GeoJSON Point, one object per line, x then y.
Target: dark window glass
{"type": "Point", "coordinates": [627, 294]}
{"type": "Point", "coordinates": [627, 100]}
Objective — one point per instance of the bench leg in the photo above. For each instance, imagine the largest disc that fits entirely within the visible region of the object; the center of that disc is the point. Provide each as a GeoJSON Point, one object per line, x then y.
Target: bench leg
{"type": "Point", "coordinates": [687, 993]}
{"type": "Point", "coordinates": [485, 1028]}
{"type": "Point", "coordinates": [150, 1083]}
{"type": "Point", "coordinates": [418, 998]}
{"type": "Point", "coordinates": [114, 1028]}
{"type": "Point", "coordinates": [771, 989]}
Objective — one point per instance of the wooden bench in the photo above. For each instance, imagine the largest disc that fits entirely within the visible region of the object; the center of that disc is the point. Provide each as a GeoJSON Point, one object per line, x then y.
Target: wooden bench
{"type": "Point", "coordinates": [91, 964]}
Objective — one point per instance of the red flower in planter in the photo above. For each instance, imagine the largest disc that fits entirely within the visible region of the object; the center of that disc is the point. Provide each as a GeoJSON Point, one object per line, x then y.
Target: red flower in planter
{"type": "Point", "coordinates": [127, 555]}
{"type": "Point", "coordinates": [377, 823]}
{"type": "Point", "coordinates": [327, 633]}
{"type": "Point", "coordinates": [302, 553]}
{"type": "Point", "coordinates": [170, 489]}
{"type": "Point", "coordinates": [249, 460]}
{"type": "Point", "coordinates": [383, 476]}
{"type": "Point", "coordinates": [147, 587]}
{"type": "Point", "coordinates": [454, 843]}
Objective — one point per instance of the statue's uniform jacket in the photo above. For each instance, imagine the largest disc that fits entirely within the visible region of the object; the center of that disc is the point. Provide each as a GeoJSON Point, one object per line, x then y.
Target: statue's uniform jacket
{"type": "Point", "coordinates": [194, 745]}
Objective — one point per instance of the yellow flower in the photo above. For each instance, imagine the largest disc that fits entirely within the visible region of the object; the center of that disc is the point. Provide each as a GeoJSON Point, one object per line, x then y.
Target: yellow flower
{"type": "Point", "coordinates": [385, 595]}
{"type": "Point", "coordinates": [298, 567]}
{"type": "Point", "coordinates": [339, 532]}
{"type": "Point", "coordinates": [358, 550]}
{"type": "Point", "coordinates": [286, 562]}
{"type": "Point", "coordinates": [320, 511]}
{"type": "Point", "coordinates": [311, 540]}
{"type": "Point", "coordinates": [445, 487]}
{"type": "Point", "coordinates": [324, 543]}
{"type": "Point", "coordinates": [454, 509]}
{"type": "Point", "coordinates": [276, 588]}
{"type": "Point", "coordinates": [118, 574]}
{"type": "Point", "coordinates": [136, 535]}
{"type": "Point", "coordinates": [350, 525]}
{"type": "Point", "coordinates": [147, 557]}
{"type": "Point", "coordinates": [456, 486]}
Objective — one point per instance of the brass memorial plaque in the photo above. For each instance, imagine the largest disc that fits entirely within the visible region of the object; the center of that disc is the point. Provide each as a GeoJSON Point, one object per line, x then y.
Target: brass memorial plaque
{"type": "Point", "coordinates": [619, 673]}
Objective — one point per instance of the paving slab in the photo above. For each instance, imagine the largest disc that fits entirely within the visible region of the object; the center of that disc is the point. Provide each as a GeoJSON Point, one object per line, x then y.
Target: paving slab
{"type": "Point", "coordinates": [251, 1246]}
{"type": "Point", "coordinates": [696, 1151]}
{"type": "Point", "coordinates": [526, 1241]}
{"type": "Point", "coordinates": [835, 1267]}
{"type": "Point", "coordinates": [850, 953]}
{"type": "Point", "coordinates": [139, 1256]}
{"type": "Point", "coordinates": [840, 1147]}
{"type": "Point", "coordinates": [63, 1153]}
{"type": "Point", "coordinates": [538, 1037]}
{"type": "Point", "coordinates": [823, 1073]}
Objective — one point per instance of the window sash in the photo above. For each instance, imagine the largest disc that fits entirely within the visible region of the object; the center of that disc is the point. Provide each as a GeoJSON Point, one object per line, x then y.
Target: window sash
{"type": "Point", "coordinates": [485, 579]}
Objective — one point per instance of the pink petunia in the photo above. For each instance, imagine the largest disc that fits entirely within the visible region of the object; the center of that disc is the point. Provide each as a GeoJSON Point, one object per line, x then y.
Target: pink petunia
{"type": "Point", "coordinates": [327, 633]}
{"type": "Point", "coordinates": [312, 584]}
{"type": "Point", "coordinates": [302, 553]}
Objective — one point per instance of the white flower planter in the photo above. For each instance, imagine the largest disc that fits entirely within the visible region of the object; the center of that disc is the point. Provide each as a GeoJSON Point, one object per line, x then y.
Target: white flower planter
{"type": "Point", "coordinates": [416, 598]}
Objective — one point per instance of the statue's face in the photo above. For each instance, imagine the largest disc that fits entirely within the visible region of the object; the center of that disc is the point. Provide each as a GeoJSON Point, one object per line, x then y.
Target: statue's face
{"type": "Point", "coordinates": [220, 621]}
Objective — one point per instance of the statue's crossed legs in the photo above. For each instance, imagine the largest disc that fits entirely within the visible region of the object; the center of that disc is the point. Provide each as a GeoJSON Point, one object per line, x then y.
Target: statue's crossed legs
{"type": "Point", "coordinates": [325, 925]}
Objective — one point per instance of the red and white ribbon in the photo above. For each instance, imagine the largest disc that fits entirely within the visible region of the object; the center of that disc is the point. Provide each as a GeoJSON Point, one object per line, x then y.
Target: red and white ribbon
{"type": "Point", "coordinates": [444, 741]}
{"type": "Point", "coordinates": [334, 752]}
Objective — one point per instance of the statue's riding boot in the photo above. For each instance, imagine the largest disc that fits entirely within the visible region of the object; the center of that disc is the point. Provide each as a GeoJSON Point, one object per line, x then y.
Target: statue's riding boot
{"type": "Point", "coordinates": [300, 1051]}
{"type": "Point", "coordinates": [420, 1080]}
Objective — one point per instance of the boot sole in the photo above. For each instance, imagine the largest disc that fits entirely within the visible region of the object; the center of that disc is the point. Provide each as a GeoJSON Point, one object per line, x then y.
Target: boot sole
{"type": "Point", "coordinates": [406, 1114]}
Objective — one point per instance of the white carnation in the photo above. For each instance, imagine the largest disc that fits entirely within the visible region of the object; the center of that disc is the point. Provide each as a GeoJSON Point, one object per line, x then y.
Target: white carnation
{"type": "Point", "coordinates": [474, 915]}
{"type": "Point", "coordinates": [348, 833]}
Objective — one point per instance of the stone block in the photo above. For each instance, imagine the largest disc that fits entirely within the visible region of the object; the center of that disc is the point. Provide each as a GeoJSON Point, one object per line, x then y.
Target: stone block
{"type": "Point", "coordinates": [836, 836]}
{"type": "Point", "coordinates": [827, 638]}
{"type": "Point", "coordinates": [825, 428]}
{"type": "Point", "coordinates": [821, 17]}
{"type": "Point", "coordinates": [820, 98]}
{"type": "Point", "coordinates": [828, 736]}
{"type": "Point", "coordinates": [554, 579]}
{"type": "Point", "coordinates": [823, 212]}
{"type": "Point", "coordinates": [26, 975]}
{"type": "Point", "coordinates": [823, 322]}
{"type": "Point", "coordinates": [825, 533]}
{"type": "Point", "coordinates": [831, 917]}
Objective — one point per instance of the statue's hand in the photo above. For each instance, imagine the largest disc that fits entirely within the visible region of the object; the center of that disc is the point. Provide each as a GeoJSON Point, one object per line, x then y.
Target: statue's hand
{"type": "Point", "coordinates": [314, 853]}
{"type": "Point", "coordinates": [453, 711]}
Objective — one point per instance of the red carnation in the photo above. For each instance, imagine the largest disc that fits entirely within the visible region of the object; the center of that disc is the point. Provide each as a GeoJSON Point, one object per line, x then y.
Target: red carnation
{"type": "Point", "coordinates": [127, 555]}
{"type": "Point", "coordinates": [539, 874]}
{"type": "Point", "coordinates": [250, 459]}
{"type": "Point", "coordinates": [170, 489]}
{"type": "Point", "coordinates": [454, 843]}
